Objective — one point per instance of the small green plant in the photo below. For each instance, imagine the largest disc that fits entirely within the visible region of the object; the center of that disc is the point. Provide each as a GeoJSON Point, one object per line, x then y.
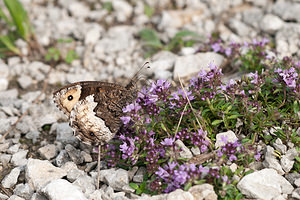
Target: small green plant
{"type": "Point", "coordinates": [18, 25]}
{"type": "Point", "coordinates": [54, 54]}
{"type": "Point", "coordinates": [71, 55]}
{"type": "Point", "coordinates": [107, 6]}
{"type": "Point", "coordinates": [153, 44]}
{"type": "Point", "coordinates": [148, 10]}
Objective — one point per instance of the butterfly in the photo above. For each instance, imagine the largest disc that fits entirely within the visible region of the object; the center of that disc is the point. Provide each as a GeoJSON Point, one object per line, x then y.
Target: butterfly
{"type": "Point", "coordinates": [94, 109]}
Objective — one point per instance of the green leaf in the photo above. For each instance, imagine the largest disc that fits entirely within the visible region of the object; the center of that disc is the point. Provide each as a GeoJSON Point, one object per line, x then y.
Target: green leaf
{"type": "Point", "coordinates": [19, 17]}
{"type": "Point", "coordinates": [296, 107]}
{"type": "Point", "coordinates": [65, 40]}
{"type": "Point", "coordinates": [185, 33]}
{"type": "Point", "coordinates": [71, 55]}
{"type": "Point", "coordinates": [9, 44]}
{"type": "Point", "coordinates": [107, 6]}
{"type": "Point", "coordinates": [150, 37]}
{"type": "Point", "coordinates": [134, 186]}
{"type": "Point", "coordinates": [154, 44]}
{"type": "Point", "coordinates": [52, 54]}
{"type": "Point", "coordinates": [139, 191]}
{"type": "Point", "coordinates": [148, 10]}
{"type": "Point", "coordinates": [5, 18]}
{"type": "Point", "coordinates": [163, 127]}
{"type": "Point", "coordinates": [187, 186]}
{"type": "Point", "coordinates": [234, 116]}
{"type": "Point", "coordinates": [216, 122]}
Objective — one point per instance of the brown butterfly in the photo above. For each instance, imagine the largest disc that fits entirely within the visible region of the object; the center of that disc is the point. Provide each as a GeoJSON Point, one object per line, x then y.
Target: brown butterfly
{"type": "Point", "coordinates": [94, 109]}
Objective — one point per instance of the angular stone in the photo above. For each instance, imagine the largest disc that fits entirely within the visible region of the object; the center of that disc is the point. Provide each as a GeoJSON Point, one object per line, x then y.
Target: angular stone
{"type": "Point", "coordinates": [73, 174]}
{"type": "Point", "coordinates": [271, 161]}
{"type": "Point", "coordinates": [139, 176]}
{"type": "Point", "coordinates": [192, 64]}
{"type": "Point", "coordinates": [123, 10]}
{"type": "Point", "coordinates": [12, 178]}
{"type": "Point", "coordinates": [184, 151]}
{"type": "Point", "coordinates": [61, 189]}
{"type": "Point", "coordinates": [13, 149]}
{"type": "Point", "coordinates": [86, 183]}
{"type": "Point", "coordinates": [19, 158]}
{"type": "Point", "coordinates": [179, 195]}
{"type": "Point", "coordinates": [48, 152]}
{"type": "Point", "coordinates": [74, 154]}
{"type": "Point", "coordinates": [37, 196]}
{"type": "Point", "coordinates": [62, 158]}
{"type": "Point", "coordinates": [3, 196]}
{"type": "Point", "coordinates": [115, 178]}
{"type": "Point", "coordinates": [64, 134]}
{"type": "Point", "coordinates": [23, 190]}
{"type": "Point", "coordinates": [3, 84]}
{"type": "Point", "coordinates": [86, 157]}
{"type": "Point", "coordinates": [287, 10]}
{"type": "Point", "coordinates": [296, 193]}
{"type": "Point", "coordinates": [15, 197]}
{"type": "Point", "coordinates": [271, 23]}
{"type": "Point", "coordinates": [279, 146]}
{"type": "Point", "coordinates": [132, 172]}
{"type": "Point", "coordinates": [287, 160]}
{"type": "Point", "coordinates": [292, 177]}
{"type": "Point", "coordinates": [203, 191]}
{"type": "Point", "coordinates": [39, 173]}
{"type": "Point", "coordinates": [264, 184]}
{"type": "Point", "coordinates": [229, 135]}
{"type": "Point", "coordinates": [24, 81]}
{"type": "Point", "coordinates": [4, 159]}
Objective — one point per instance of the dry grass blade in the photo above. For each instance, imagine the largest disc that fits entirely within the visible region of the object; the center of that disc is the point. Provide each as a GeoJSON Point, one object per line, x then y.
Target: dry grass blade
{"type": "Point", "coordinates": [180, 120]}
{"type": "Point", "coordinates": [181, 84]}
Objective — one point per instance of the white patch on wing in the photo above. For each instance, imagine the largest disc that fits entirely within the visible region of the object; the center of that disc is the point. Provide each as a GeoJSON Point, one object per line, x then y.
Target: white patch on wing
{"type": "Point", "coordinates": [83, 113]}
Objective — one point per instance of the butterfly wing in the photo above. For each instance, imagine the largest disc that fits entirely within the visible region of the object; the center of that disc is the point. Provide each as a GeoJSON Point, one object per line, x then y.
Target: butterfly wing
{"type": "Point", "coordinates": [94, 108]}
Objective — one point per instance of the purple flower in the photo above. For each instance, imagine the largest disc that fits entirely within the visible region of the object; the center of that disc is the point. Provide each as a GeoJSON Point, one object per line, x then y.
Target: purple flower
{"type": "Point", "coordinates": [132, 107]}
{"type": "Point", "coordinates": [257, 156]}
{"type": "Point", "coordinates": [228, 51]}
{"type": "Point", "coordinates": [125, 120]}
{"type": "Point", "coordinates": [220, 153]}
{"type": "Point", "coordinates": [180, 176]}
{"type": "Point", "coordinates": [126, 149]}
{"type": "Point", "coordinates": [168, 141]}
{"type": "Point", "coordinates": [203, 148]}
{"type": "Point", "coordinates": [289, 77]}
{"type": "Point", "coordinates": [172, 165]}
{"type": "Point", "coordinates": [224, 178]}
{"type": "Point", "coordinates": [232, 157]}
{"type": "Point", "coordinates": [254, 77]}
{"type": "Point", "coordinates": [162, 173]}
{"type": "Point", "coordinates": [216, 47]}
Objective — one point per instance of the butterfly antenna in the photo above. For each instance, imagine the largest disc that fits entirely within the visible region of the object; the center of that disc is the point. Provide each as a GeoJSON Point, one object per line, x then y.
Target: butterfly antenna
{"type": "Point", "coordinates": [135, 78]}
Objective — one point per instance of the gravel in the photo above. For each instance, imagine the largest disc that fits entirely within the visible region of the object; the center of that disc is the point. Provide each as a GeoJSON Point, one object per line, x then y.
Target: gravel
{"type": "Point", "coordinates": [55, 164]}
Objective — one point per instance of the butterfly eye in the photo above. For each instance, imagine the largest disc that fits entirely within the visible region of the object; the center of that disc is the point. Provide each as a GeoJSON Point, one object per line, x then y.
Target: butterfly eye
{"type": "Point", "coordinates": [70, 97]}
{"type": "Point", "coordinates": [92, 133]}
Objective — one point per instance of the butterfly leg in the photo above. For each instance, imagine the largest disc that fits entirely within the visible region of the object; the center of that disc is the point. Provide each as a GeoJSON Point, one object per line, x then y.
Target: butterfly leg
{"type": "Point", "coordinates": [98, 166]}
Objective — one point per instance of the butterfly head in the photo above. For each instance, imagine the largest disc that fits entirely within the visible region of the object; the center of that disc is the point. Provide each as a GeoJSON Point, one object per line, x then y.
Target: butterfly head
{"type": "Point", "coordinates": [66, 98]}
